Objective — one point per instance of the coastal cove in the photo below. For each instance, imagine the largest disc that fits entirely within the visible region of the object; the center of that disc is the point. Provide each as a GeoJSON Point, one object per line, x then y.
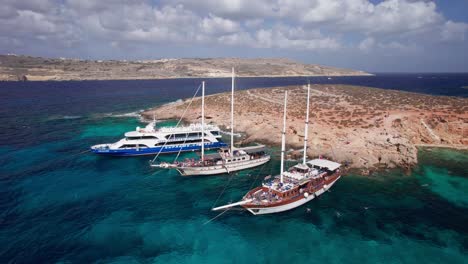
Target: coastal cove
{"type": "Point", "coordinates": [59, 203]}
{"type": "Point", "coordinates": [365, 128]}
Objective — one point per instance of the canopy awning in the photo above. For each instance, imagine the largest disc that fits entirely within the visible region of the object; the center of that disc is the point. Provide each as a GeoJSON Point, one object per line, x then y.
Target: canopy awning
{"type": "Point", "coordinates": [253, 149]}
{"type": "Point", "coordinates": [301, 166]}
{"type": "Point", "coordinates": [211, 156]}
{"type": "Point", "coordinates": [323, 163]}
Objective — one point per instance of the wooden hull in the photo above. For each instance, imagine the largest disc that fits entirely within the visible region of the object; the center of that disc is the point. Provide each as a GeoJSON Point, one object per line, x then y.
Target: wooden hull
{"type": "Point", "coordinates": [291, 203]}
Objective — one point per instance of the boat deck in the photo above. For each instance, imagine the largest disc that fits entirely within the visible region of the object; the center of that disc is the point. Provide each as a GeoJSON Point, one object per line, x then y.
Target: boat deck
{"type": "Point", "coordinates": [268, 197]}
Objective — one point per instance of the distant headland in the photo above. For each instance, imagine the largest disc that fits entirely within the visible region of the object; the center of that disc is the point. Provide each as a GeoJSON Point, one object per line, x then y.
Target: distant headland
{"type": "Point", "coordinates": [24, 68]}
{"type": "Point", "coordinates": [365, 127]}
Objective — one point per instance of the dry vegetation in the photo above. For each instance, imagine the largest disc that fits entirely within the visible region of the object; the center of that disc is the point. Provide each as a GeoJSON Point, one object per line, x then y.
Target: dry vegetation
{"type": "Point", "coordinates": [367, 127]}
{"type": "Point", "coordinates": [34, 68]}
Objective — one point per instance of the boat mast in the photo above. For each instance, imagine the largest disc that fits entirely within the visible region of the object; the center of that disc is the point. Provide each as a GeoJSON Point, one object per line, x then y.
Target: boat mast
{"type": "Point", "coordinates": [232, 113]}
{"type": "Point", "coordinates": [306, 125]}
{"type": "Point", "coordinates": [203, 122]}
{"type": "Point", "coordinates": [283, 135]}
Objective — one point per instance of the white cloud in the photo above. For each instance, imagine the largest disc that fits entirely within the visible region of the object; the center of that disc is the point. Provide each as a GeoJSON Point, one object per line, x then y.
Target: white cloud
{"type": "Point", "coordinates": [236, 39]}
{"type": "Point", "coordinates": [216, 25]}
{"type": "Point", "coordinates": [285, 37]}
{"type": "Point", "coordinates": [233, 9]}
{"type": "Point", "coordinates": [367, 44]}
{"type": "Point", "coordinates": [389, 16]}
{"type": "Point", "coordinates": [253, 23]}
{"type": "Point", "coordinates": [452, 31]}
{"type": "Point", "coordinates": [384, 27]}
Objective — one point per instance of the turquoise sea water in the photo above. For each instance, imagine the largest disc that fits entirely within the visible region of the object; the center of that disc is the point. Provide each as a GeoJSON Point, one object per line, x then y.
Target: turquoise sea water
{"type": "Point", "coordinates": [60, 205]}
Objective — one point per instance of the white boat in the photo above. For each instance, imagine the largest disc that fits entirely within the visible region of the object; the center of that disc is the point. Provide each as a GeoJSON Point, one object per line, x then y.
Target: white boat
{"type": "Point", "coordinates": [222, 162]}
{"type": "Point", "coordinates": [227, 160]}
{"type": "Point", "coordinates": [151, 141]}
{"type": "Point", "coordinates": [293, 188]}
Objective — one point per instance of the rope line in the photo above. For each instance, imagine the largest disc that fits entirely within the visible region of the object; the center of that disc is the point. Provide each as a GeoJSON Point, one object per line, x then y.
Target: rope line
{"type": "Point", "coordinates": [224, 189]}
{"type": "Point", "coordinates": [212, 219]}
{"type": "Point", "coordinates": [180, 150]}
{"type": "Point", "coordinates": [180, 120]}
{"type": "Point", "coordinates": [256, 177]}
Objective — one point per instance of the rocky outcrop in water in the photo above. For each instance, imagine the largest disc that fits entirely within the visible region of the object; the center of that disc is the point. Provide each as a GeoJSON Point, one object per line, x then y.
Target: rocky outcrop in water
{"type": "Point", "coordinates": [365, 127]}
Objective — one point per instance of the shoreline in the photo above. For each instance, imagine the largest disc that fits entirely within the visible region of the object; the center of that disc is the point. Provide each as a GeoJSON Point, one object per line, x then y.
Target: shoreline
{"type": "Point", "coordinates": [24, 68]}
{"type": "Point", "coordinates": [185, 77]}
{"type": "Point", "coordinates": [457, 147]}
{"type": "Point", "coordinates": [369, 128]}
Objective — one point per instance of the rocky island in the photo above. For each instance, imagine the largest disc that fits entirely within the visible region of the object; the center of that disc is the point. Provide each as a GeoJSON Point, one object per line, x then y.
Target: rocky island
{"type": "Point", "coordinates": [365, 127]}
{"type": "Point", "coordinates": [22, 68]}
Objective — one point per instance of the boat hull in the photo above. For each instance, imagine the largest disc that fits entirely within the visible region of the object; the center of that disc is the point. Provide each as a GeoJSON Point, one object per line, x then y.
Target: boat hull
{"type": "Point", "coordinates": [153, 151]}
{"type": "Point", "coordinates": [220, 169]}
{"type": "Point", "coordinates": [259, 210]}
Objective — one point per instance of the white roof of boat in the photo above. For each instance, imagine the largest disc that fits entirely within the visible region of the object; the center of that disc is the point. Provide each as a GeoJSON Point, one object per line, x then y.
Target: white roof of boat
{"type": "Point", "coordinates": [301, 166]}
{"type": "Point", "coordinates": [323, 163]}
{"type": "Point", "coordinates": [181, 129]}
{"type": "Point", "coordinates": [189, 128]}
{"type": "Point", "coordinates": [252, 149]}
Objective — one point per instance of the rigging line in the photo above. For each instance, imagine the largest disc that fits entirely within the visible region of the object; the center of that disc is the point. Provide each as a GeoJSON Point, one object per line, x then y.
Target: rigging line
{"type": "Point", "coordinates": [185, 111]}
{"type": "Point", "coordinates": [256, 177]}
{"type": "Point", "coordinates": [229, 181]}
{"type": "Point", "coordinates": [180, 149]}
{"type": "Point", "coordinates": [224, 189]}
{"type": "Point", "coordinates": [82, 152]}
{"type": "Point", "coordinates": [212, 219]}
{"type": "Point", "coordinates": [180, 119]}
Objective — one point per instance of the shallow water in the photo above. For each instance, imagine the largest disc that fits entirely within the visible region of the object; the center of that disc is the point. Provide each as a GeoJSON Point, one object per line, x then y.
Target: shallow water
{"type": "Point", "coordinates": [58, 204]}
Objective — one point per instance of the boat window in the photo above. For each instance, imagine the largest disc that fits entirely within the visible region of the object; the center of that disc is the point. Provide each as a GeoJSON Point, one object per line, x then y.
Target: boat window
{"type": "Point", "coordinates": [215, 133]}
{"type": "Point", "coordinates": [133, 146]}
{"type": "Point", "coordinates": [142, 137]}
{"type": "Point", "coordinates": [128, 146]}
{"type": "Point", "coordinates": [176, 136]}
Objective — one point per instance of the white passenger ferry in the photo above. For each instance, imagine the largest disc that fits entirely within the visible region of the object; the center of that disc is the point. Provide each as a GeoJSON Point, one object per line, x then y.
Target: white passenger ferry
{"type": "Point", "coordinates": [151, 141]}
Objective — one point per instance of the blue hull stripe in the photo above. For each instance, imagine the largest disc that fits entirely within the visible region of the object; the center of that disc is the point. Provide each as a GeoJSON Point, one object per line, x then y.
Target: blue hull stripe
{"type": "Point", "coordinates": [153, 151]}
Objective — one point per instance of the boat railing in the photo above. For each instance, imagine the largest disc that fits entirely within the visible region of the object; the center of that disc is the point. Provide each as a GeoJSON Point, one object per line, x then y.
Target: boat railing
{"type": "Point", "coordinates": [192, 127]}
{"type": "Point", "coordinates": [183, 139]}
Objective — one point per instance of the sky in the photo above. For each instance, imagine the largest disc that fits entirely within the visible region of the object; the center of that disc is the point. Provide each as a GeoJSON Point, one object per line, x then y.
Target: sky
{"type": "Point", "coordinates": [370, 35]}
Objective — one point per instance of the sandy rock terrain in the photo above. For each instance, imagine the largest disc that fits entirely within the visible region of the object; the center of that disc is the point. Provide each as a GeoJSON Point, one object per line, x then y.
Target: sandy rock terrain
{"type": "Point", "coordinates": [366, 127]}
{"type": "Point", "coordinates": [14, 68]}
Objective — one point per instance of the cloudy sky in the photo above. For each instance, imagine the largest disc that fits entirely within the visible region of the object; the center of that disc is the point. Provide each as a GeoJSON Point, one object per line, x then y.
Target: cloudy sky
{"type": "Point", "coordinates": [371, 35]}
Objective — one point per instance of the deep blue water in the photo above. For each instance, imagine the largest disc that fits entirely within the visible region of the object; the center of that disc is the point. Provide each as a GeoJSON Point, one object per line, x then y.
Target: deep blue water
{"type": "Point", "coordinates": [58, 204]}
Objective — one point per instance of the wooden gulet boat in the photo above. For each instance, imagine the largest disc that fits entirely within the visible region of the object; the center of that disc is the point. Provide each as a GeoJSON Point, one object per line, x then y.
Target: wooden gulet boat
{"type": "Point", "coordinates": [293, 188]}
{"type": "Point", "coordinates": [226, 160]}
